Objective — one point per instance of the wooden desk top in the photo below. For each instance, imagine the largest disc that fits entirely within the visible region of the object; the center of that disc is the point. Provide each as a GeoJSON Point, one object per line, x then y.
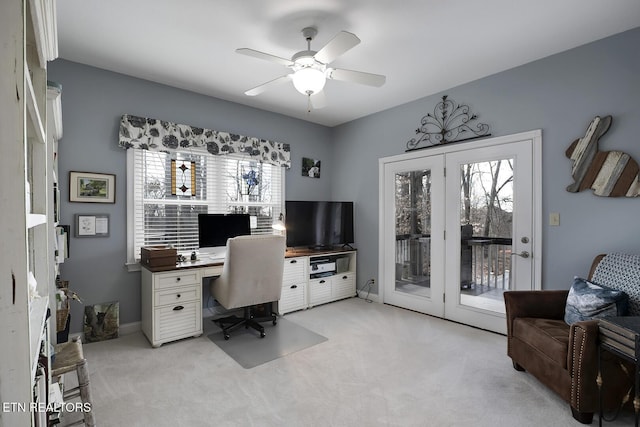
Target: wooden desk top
{"type": "Point", "coordinates": [294, 252]}
{"type": "Point", "coordinates": [202, 263]}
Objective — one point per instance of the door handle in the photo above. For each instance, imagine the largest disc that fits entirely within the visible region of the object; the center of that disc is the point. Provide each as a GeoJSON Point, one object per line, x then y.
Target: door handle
{"type": "Point", "coordinates": [523, 254]}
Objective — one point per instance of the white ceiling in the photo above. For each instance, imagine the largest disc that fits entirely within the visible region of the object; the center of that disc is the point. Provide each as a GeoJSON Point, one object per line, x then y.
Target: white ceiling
{"type": "Point", "coordinates": [422, 46]}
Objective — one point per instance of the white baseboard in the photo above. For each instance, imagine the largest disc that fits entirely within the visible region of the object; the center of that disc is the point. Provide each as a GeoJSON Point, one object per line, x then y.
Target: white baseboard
{"type": "Point", "coordinates": [208, 314]}
{"type": "Point", "coordinates": [125, 329]}
{"type": "Point", "coordinates": [130, 328]}
{"type": "Point", "coordinates": [372, 297]}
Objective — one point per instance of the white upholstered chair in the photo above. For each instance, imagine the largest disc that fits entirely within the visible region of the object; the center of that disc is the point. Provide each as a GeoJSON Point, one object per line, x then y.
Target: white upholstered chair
{"type": "Point", "coordinates": [252, 275]}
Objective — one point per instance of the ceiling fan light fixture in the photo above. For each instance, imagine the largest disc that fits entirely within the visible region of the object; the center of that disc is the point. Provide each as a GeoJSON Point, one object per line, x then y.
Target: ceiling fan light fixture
{"type": "Point", "coordinates": [308, 80]}
{"type": "Point", "coordinates": [310, 68]}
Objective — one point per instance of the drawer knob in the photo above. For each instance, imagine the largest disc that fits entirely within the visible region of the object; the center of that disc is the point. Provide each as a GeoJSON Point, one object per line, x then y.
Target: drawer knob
{"type": "Point", "coordinates": [293, 261]}
{"type": "Point", "coordinates": [294, 286]}
{"type": "Point", "coordinates": [178, 296]}
{"type": "Point", "coordinates": [178, 308]}
{"type": "Point", "coordinates": [177, 279]}
{"type": "Point", "coordinates": [321, 281]}
{"type": "Point", "coordinates": [344, 277]}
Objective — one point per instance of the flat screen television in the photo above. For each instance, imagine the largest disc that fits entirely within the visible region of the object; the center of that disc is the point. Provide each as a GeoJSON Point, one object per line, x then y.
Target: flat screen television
{"type": "Point", "coordinates": [318, 224]}
{"type": "Point", "coordinates": [215, 229]}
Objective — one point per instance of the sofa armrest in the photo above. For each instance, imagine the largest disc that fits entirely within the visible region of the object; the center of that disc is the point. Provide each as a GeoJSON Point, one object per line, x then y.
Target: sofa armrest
{"type": "Point", "coordinates": [540, 304]}
{"type": "Point", "coordinates": [582, 364]}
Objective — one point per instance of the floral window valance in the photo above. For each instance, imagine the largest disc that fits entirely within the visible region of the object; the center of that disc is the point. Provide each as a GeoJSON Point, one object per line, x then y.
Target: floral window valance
{"type": "Point", "coordinates": [159, 135]}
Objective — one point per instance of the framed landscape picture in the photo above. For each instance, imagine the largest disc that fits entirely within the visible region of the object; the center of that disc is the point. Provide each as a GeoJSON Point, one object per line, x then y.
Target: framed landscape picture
{"type": "Point", "coordinates": [92, 187]}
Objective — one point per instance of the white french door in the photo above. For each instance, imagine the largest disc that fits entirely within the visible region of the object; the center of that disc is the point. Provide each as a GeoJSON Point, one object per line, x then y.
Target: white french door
{"type": "Point", "coordinates": [459, 226]}
{"type": "Point", "coordinates": [414, 225]}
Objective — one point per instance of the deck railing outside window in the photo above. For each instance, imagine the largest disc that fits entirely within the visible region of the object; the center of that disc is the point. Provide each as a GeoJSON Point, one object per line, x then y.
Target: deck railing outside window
{"type": "Point", "coordinates": [485, 261]}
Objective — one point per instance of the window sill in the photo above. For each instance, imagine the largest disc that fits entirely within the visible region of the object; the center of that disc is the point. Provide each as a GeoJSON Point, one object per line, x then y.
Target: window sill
{"type": "Point", "coordinates": [133, 266]}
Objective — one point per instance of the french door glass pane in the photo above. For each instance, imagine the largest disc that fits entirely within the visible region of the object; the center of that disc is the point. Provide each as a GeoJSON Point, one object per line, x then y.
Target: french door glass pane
{"type": "Point", "coordinates": [486, 221]}
{"type": "Point", "coordinates": [413, 232]}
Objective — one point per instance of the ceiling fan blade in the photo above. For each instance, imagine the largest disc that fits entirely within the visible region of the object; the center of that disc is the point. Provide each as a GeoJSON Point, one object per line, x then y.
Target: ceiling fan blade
{"type": "Point", "coordinates": [265, 56]}
{"type": "Point", "coordinates": [368, 79]}
{"type": "Point", "coordinates": [268, 85]}
{"type": "Point", "coordinates": [318, 100]}
{"type": "Point", "coordinates": [342, 42]}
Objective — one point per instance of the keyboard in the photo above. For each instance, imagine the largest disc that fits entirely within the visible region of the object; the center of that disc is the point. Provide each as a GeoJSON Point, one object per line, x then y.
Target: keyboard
{"type": "Point", "coordinates": [218, 257]}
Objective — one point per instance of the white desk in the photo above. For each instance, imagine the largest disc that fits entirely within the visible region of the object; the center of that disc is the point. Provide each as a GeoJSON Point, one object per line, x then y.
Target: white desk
{"type": "Point", "coordinates": [172, 296]}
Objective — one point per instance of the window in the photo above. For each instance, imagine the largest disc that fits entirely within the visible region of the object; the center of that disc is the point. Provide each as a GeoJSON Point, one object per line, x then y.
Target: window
{"type": "Point", "coordinates": [223, 184]}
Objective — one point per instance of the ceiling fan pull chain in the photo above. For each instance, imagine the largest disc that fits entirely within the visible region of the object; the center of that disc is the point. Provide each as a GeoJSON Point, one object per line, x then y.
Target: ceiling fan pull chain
{"type": "Point", "coordinates": [308, 102]}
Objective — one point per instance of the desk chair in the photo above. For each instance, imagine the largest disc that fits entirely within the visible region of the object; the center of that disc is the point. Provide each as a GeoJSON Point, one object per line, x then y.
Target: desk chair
{"type": "Point", "coordinates": [251, 275]}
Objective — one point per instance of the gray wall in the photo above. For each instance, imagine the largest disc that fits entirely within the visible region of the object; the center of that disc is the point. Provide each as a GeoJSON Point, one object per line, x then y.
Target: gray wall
{"type": "Point", "coordinates": [559, 94]}
{"type": "Point", "coordinates": [92, 102]}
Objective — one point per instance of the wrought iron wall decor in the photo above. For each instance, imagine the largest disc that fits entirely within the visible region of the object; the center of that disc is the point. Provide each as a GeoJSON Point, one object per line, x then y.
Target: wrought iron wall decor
{"type": "Point", "coordinates": [607, 173]}
{"type": "Point", "coordinates": [448, 123]}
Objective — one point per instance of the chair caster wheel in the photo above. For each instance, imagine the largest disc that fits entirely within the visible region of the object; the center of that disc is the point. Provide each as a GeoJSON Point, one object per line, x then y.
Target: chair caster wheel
{"type": "Point", "coordinates": [262, 334]}
{"type": "Point", "coordinates": [275, 322]}
{"type": "Point", "coordinates": [226, 337]}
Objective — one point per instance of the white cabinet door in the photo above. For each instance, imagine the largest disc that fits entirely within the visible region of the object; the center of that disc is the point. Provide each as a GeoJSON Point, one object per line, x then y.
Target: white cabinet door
{"type": "Point", "coordinates": [294, 285]}
{"type": "Point", "coordinates": [320, 290]}
{"type": "Point", "coordinates": [344, 285]}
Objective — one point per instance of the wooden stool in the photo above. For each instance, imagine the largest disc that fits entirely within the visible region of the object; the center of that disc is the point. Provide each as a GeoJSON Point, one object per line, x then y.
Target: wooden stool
{"type": "Point", "coordinates": [68, 358]}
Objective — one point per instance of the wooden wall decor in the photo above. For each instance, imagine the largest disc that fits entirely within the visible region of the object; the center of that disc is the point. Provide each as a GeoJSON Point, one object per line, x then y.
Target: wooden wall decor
{"type": "Point", "coordinates": [607, 173]}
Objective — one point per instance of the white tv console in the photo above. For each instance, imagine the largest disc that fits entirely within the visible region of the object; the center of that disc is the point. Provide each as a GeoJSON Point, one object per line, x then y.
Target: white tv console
{"type": "Point", "coordinates": [172, 296]}
{"type": "Point", "coordinates": [301, 288]}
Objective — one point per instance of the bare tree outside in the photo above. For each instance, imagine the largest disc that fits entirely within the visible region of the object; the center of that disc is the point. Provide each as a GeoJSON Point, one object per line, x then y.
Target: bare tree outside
{"type": "Point", "coordinates": [486, 191]}
{"type": "Point", "coordinates": [413, 229]}
{"type": "Point", "coordinates": [487, 197]}
{"type": "Point", "coordinates": [486, 220]}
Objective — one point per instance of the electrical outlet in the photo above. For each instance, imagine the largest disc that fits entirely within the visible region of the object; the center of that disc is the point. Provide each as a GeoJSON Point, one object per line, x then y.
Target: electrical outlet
{"type": "Point", "coordinates": [373, 281]}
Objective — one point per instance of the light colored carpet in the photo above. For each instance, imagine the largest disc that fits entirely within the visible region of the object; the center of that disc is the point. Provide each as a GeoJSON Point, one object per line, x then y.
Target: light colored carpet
{"type": "Point", "coordinates": [381, 366]}
{"type": "Point", "coordinates": [245, 347]}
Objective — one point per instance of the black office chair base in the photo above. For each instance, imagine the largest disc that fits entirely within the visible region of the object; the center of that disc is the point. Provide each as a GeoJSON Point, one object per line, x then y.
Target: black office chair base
{"type": "Point", "coordinates": [247, 320]}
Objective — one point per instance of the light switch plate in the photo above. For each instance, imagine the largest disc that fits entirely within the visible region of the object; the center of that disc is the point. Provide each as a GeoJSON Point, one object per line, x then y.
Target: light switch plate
{"type": "Point", "coordinates": [554, 218]}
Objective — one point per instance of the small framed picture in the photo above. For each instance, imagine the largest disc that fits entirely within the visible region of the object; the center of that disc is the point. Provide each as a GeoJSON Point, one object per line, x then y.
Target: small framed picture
{"type": "Point", "coordinates": [92, 225]}
{"type": "Point", "coordinates": [92, 187]}
{"type": "Point", "coordinates": [310, 167]}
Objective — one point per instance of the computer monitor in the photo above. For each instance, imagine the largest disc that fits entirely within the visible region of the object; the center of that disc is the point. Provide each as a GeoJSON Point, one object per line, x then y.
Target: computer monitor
{"type": "Point", "coordinates": [215, 229]}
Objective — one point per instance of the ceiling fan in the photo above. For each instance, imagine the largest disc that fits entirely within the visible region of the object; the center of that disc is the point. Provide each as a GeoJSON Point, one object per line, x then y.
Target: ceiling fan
{"type": "Point", "coordinates": [311, 69]}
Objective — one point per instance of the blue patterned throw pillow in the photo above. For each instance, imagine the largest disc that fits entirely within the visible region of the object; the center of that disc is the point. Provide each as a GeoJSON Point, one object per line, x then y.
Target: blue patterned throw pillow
{"type": "Point", "coordinates": [588, 300]}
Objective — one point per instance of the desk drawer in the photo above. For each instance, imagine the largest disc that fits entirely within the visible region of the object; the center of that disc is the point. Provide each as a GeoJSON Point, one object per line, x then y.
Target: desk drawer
{"type": "Point", "coordinates": [173, 279]}
{"type": "Point", "coordinates": [344, 285]}
{"type": "Point", "coordinates": [177, 321]}
{"type": "Point", "coordinates": [320, 290]}
{"type": "Point", "coordinates": [177, 295]}
{"type": "Point", "coordinates": [293, 298]}
{"type": "Point", "coordinates": [212, 271]}
{"type": "Point", "coordinates": [294, 270]}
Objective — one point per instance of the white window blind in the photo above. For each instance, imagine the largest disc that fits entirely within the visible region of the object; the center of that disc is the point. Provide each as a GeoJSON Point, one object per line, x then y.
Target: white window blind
{"type": "Point", "coordinates": [223, 184]}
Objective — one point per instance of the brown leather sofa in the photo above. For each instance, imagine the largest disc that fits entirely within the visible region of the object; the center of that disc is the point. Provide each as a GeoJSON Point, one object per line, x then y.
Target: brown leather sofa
{"type": "Point", "coordinates": [561, 356]}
